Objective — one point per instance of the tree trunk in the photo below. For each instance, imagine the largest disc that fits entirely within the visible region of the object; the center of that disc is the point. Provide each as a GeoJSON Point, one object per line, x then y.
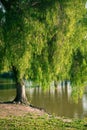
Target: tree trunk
{"type": "Point", "coordinates": [20, 88]}
{"type": "Point", "coordinates": [20, 93]}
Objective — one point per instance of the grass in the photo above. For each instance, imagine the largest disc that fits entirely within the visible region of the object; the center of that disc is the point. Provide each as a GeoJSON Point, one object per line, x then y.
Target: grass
{"type": "Point", "coordinates": [33, 122]}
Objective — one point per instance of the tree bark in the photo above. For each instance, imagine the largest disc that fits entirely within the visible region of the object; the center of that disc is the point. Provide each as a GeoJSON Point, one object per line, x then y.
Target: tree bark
{"type": "Point", "coordinates": [20, 88]}
{"type": "Point", "coordinates": [20, 93]}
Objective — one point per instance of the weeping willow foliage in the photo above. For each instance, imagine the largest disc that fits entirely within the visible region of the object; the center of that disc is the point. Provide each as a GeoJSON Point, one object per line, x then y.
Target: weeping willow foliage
{"type": "Point", "coordinates": [46, 40]}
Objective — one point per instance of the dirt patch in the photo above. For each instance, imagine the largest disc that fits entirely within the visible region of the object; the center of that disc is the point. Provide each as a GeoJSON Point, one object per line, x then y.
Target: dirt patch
{"type": "Point", "coordinates": [7, 110]}
{"type": "Point", "coordinates": [18, 110]}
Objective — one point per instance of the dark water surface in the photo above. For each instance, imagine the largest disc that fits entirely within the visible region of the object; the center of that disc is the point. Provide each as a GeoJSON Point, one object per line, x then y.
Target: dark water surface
{"type": "Point", "coordinates": [55, 101]}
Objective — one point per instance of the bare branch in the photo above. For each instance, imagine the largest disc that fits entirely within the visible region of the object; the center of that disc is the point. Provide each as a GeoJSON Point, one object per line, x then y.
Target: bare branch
{"type": "Point", "coordinates": [35, 3]}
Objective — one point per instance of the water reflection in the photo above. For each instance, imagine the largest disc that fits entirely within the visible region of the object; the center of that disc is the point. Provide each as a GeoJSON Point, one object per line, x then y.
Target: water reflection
{"type": "Point", "coordinates": [7, 94]}
{"type": "Point", "coordinates": [58, 101]}
{"type": "Point", "coordinates": [6, 84]}
{"type": "Point", "coordinates": [7, 90]}
{"type": "Point", "coordinates": [55, 100]}
{"type": "Point", "coordinates": [84, 103]}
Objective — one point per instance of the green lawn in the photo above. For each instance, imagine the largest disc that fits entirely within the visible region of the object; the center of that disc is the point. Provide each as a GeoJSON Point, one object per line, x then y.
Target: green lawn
{"type": "Point", "coordinates": [32, 122]}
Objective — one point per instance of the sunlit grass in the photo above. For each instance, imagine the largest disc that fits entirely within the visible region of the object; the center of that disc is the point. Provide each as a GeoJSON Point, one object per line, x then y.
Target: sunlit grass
{"type": "Point", "coordinates": [32, 122]}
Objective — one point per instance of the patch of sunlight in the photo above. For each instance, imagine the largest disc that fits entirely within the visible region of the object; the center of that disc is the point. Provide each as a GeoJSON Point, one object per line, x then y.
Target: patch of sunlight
{"type": "Point", "coordinates": [86, 5]}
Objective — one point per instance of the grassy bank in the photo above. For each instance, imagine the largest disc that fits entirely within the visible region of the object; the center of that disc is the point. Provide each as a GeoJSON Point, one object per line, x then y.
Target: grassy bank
{"type": "Point", "coordinates": [45, 122]}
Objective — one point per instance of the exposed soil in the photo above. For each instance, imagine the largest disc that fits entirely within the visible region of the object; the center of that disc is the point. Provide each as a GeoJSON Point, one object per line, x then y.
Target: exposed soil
{"type": "Point", "coordinates": [18, 110]}
{"type": "Point", "coordinates": [9, 109]}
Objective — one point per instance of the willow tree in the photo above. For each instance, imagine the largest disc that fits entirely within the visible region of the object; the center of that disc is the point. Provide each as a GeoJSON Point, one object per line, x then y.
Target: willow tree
{"type": "Point", "coordinates": [25, 40]}
{"type": "Point", "coordinates": [39, 39]}
{"type": "Point", "coordinates": [78, 71]}
{"type": "Point", "coordinates": [16, 51]}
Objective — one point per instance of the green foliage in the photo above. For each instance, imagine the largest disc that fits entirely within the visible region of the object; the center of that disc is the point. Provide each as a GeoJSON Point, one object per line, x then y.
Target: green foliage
{"type": "Point", "coordinates": [78, 69]}
{"type": "Point", "coordinates": [46, 40]}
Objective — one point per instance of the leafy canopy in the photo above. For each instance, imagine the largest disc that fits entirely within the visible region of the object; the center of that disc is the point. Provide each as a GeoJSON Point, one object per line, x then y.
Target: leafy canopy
{"type": "Point", "coordinates": [45, 40]}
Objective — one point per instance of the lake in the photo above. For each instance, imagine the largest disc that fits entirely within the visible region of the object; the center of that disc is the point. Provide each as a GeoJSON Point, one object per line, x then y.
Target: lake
{"type": "Point", "coordinates": [55, 101]}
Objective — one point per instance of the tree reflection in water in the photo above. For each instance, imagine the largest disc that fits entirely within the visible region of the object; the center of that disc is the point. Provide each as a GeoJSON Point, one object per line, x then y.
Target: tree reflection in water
{"type": "Point", "coordinates": [57, 100]}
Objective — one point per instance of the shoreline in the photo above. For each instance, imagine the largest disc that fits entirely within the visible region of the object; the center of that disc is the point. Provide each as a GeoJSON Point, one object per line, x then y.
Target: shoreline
{"type": "Point", "coordinates": [18, 110]}
{"type": "Point", "coordinates": [11, 109]}
{"type": "Point", "coordinates": [23, 117]}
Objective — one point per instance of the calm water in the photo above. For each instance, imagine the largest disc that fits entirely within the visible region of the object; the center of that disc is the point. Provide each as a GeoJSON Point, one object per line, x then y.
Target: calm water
{"type": "Point", "coordinates": [55, 101]}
